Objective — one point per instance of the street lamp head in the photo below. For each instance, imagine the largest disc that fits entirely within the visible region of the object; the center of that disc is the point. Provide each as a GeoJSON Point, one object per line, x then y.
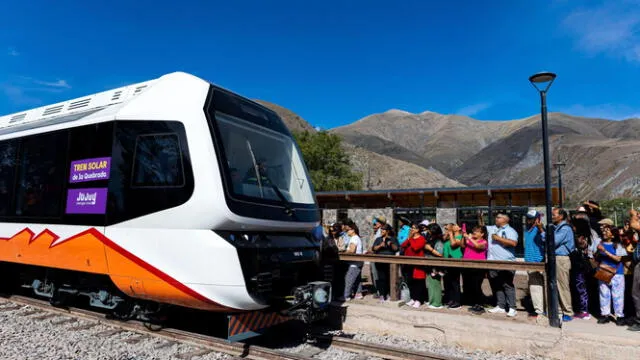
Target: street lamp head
{"type": "Point", "coordinates": [542, 78]}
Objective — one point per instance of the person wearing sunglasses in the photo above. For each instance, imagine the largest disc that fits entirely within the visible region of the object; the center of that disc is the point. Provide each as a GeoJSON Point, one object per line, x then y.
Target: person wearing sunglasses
{"type": "Point", "coordinates": [502, 244]}
{"type": "Point", "coordinates": [611, 253]}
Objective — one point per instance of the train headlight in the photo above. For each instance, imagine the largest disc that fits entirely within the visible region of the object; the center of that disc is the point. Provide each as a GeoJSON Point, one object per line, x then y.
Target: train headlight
{"type": "Point", "coordinates": [321, 293]}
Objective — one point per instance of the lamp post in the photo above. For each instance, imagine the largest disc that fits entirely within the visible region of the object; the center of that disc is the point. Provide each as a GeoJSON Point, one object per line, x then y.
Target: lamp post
{"type": "Point", "coordinates": [542, 82]}
{"type": "Point", "coordinates": [559, 165]}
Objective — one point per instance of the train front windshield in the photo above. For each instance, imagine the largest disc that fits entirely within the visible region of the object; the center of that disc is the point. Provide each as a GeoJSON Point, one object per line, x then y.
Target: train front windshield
{"type": "Point", "coordinates": [262, 163]}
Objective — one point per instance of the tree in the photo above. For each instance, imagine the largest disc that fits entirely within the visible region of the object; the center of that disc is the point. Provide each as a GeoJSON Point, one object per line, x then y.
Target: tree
{"type": "Point", "coordinates": [327, 162]}
{"type": "Point", "coordinates": [617, 209]}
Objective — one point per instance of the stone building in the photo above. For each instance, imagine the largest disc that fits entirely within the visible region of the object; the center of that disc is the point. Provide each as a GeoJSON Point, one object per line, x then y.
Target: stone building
{"type": "Point", "coordinates": [445, 205]}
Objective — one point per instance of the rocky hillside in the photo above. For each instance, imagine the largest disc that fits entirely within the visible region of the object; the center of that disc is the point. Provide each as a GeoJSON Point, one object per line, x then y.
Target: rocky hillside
{"type": "Point", "coordinates": [384, 172]}
{"type": "Point", "coordinates": [379, 171]}
{"type": "Point", "coordinates": [601, 155]}
{"type": "Point", "coordinates": [293, 121]}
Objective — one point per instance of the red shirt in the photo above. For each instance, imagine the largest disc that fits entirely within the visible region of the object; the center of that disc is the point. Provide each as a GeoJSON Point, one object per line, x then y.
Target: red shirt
{"type": "Point", "coordinates": [414, 246]}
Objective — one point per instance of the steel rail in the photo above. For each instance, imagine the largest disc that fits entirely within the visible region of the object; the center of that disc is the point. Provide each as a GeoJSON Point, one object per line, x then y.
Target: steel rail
{"type": "Point", "coordinates": [211, 343]}
{"type": "Point", "coordinates": [214, 344]}
{"type": "Point", "coordinates": [380, 351]}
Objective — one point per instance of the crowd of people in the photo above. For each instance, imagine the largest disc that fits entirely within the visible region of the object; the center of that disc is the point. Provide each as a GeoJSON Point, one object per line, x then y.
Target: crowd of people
{"type": "Point", "coordinates": [597, 264]}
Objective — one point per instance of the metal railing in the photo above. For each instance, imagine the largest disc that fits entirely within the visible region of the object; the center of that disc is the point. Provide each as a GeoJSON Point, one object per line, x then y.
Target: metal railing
{"type": "Point", "coordinates": [396, 261]}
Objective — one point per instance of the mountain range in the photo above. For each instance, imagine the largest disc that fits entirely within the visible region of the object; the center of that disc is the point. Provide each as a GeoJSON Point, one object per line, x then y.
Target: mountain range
{"type": "Point", "coordinates": [398, 149]}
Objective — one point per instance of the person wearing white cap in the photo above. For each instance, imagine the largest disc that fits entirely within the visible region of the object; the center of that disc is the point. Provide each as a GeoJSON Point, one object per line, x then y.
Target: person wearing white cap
{"type": "Point", "coordinates": [424, 228]}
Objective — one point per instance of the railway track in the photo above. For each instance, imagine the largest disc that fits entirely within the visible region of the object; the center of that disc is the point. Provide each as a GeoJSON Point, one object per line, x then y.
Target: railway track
{"type": "Point", "coordinates": [379, 351]}
{"type": "Point", "coordinates": [201, 344]}
{"type": "Point", "coordinates": [204, 344]}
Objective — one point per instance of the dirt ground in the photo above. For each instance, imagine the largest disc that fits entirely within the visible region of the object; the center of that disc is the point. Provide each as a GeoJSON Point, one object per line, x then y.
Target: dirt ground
{"type": "Point", "coordinates": [520, 281]}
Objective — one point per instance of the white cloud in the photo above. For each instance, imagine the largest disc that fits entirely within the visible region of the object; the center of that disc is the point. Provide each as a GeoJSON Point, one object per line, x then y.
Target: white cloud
{"type": "Point", "coordinates": [55, 84]}
{"type": "Point", "coordinates": [474, 109]}
{"type": "Point", "coordinates": [12, 52]}
{"type": "Point", "coordinates": [23, 90]}
{"type": "Point", "coordinates": [18, 96]}
{"type": "Point", "coordinates": [603, 111]}
{"type": "Point", "coordinates": [612, 28]}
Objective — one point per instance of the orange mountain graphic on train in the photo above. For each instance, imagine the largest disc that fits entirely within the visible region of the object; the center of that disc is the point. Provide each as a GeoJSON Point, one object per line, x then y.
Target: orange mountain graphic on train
{"type": "Point", "coordinates": [81, 252]}
{"type": "Point", "coordinates": [92, 252]}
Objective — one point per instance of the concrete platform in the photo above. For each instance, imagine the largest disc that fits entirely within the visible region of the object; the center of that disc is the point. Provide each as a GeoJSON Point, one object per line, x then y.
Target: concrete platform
{"type": "Point", "coordinates": [578, 339]}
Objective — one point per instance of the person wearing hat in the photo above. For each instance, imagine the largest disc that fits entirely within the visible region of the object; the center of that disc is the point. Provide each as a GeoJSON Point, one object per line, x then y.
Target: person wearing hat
{"type": "Point", "coordinates": [606, 221]}
{"type": "Point", "coordinates": [534, 252]}
{"type": "Point", "coordinates": [378, 222]}
{"type": "Point", "coordinates": [424, 228]}
{"type": "Point", "coordinates": [611, 253]}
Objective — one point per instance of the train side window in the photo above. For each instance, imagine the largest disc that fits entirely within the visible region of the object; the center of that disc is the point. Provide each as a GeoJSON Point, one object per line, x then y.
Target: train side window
{"type": "Point", "coordinates": [157, 161]}
{"type": "Point", "coordinates": [90, 141]}
{"type": "Point", "coordinates": [151, 169]}
{"type": "Point", "coordinates": [8, 162]}
{"type": "Point", "coordinates": [41, 175]}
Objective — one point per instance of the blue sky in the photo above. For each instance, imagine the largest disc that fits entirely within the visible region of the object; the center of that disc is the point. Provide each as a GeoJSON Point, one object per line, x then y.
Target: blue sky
{"type": "Point", "coordinates": [334, 62]}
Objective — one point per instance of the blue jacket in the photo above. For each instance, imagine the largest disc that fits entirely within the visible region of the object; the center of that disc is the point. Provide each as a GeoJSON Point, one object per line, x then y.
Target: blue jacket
{"type": "Point", "coordinates": [563, 239]}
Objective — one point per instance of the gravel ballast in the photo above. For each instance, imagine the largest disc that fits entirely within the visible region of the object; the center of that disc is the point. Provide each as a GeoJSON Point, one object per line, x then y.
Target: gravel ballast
{"type": "Point", "coordinates": [26, 337]}
{"type": "Point", "coordinates": [437, 348]}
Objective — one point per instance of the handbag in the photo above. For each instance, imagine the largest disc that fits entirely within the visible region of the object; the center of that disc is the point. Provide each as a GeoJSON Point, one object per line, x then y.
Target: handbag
{"type": "Point", "coordinates": [605, 273]}
{"type": "Point", "coordinates": [405, 293]}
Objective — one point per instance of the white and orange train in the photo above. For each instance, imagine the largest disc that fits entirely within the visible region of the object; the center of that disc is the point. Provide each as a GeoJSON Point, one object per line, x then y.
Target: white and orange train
{"type": "Point", "coordinates": [168, 192]}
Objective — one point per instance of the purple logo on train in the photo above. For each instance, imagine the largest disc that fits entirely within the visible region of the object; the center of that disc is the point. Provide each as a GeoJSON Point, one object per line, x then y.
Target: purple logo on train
{"type": "Point", "coordinates": [87, 201]}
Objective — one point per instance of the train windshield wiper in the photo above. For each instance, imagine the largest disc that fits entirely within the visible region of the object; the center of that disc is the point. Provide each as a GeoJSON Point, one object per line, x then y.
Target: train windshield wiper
{"type": "Point", "coordinates": [256, 168]}
{"type": "Point", "coordinates": [283, 199]}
